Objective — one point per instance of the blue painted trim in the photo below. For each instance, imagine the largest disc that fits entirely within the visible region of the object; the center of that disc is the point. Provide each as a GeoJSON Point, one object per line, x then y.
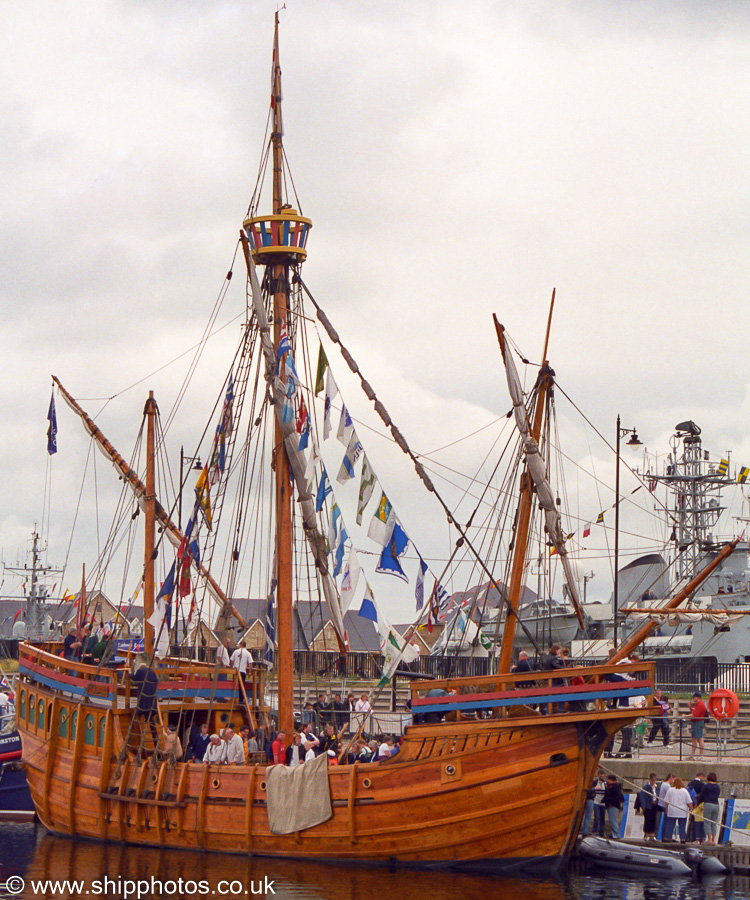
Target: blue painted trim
{"type": "Point", "coordinates": [61, 685]}
{"type": "Point", "coordinates": [527, 701]}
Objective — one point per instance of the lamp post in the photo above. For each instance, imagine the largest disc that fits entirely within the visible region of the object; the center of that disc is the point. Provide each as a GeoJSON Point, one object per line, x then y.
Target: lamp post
{"type": "Point", "coordinates": [633, 442]}
{"type": "Point", "coordinates": [196, 467]}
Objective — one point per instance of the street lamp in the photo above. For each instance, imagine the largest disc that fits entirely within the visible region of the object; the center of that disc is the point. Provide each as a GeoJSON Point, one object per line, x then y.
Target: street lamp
{"type": "Point", "coordinates": [196, 467]}
{"type": "Point", "coordinates": [633, 443]}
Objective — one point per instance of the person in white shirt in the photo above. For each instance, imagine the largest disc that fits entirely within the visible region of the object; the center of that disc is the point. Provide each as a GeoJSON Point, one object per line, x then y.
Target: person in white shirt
{"type": "Point", "coordinates": [216, 752]}
{"type": "Point", "coordinates": [235, 754]}
{"type": "Point", "coordinates": [222, 654]}
{"type": "Point", "coordinates": [242, 659]}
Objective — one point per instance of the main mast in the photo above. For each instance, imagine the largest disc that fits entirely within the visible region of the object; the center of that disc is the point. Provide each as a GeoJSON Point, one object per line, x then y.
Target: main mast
{"type": "Point", "coordinates": [278, 242]}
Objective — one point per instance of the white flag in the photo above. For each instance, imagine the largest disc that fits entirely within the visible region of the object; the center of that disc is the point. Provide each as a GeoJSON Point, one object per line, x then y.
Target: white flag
{"type": "Point", "coordinates": [366, 487]}
{"type": "Point", "coordinates": [350, 580]}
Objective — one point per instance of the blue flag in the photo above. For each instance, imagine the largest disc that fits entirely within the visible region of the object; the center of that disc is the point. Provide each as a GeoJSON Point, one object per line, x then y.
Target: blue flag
{"type": "Point", "coordinates": [52, 430]}
{"type": "Point", "coordinates": [368, 610]}
{"type": "Point", "coordinates": [419, 590]}
{"type": "Point", "coordinates": [395, 548]}
{"type": "Point", "coordinates": [324, 489]}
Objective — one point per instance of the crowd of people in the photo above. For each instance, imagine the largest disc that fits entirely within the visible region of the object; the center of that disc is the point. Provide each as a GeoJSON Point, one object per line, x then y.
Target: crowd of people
{"type": "Point", "coordinates": [684, 812]}
{"type": "Point", "coordinates": [248, 747]}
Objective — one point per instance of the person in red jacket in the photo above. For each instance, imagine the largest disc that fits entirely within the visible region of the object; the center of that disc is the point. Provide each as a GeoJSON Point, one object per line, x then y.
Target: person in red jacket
{"type": "Point", "coordinates": [698, 716]}
{"type": "Point", "coordinates": [278, 748]}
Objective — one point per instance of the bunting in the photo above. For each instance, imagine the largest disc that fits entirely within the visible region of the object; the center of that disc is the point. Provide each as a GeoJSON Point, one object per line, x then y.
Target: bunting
{"type": "Point", "coordinates": [303, 425]}
{"type": "Point", "coordinates": [324, 489]}
{"type": "Point", "coordinates": [353, 450]}
{"type": "Point", "coordinates": [392, 552]}
{"type": "Point", "coordinates": [346, 427]}
{"type": "Point", "coordinates": [382, 522]}
{"type": "Point", "coordinates": [587, 530]}
{"type": "Point", "coordinates": [350, 580]}
{"type": "Point", "coordinates": [331, 392]}
{"type": "Point", "coordinates": [321, 370]}
{"type": "Point", "coordinates": [366, 487]}
{"type": "Point", "coordinates": [723, 467]}
{"type": "Point", "coordinates": [600, 518]}
{"type": "Point", "coordinates": [419, 590]}
{"type": "Point", "coordinates": [223, 431]}
{"type": "Point", "coordinates": [742, 476]}
{"type": "Point", "coordinates": [368, 610]}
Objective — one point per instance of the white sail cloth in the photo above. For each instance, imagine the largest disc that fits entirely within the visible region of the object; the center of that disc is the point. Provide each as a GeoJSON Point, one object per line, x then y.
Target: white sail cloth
{"type": "Point", "coordinates": [715, 617]}
{"type": "Point", "coordinates": [537, 470]}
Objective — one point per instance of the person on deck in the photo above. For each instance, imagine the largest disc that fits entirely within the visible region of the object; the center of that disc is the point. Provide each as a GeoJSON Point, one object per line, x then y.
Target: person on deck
{"type": "Point", "coordinates": [72, 644]}
{"type": "Point", "coordinates": [278, 749]}
{"type": "Point", "coordinates": [223, 654]}
{"type": "Point", "coordinates": [146, 683]}
{"type": "Point", "coordinates": [322, 707]}
{"type": "Point", "coordinates": [199, 741]}
{"type": "Point", "coordinates": [295, 752]}
{"type": "Point", "coordinates": [216, 752]}
{"type": "Point", "coordinates": [235, 755]}
{"type": "Point", "coordinates": [170, 746]}
{"type": "Point", "coordinates": [88, 642]}
{"type": "Point", "coordinates": [242, 660]}
{"type": "Point", "coordinates": [328, 740]}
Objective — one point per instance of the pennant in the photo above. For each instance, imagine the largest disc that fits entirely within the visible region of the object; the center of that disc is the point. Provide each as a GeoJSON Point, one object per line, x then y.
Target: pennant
{"type": "Point", "coordinates": [354, 448]}
{"type": "Point", "coordinates": [52, 430]}
{"type": "Point", "coordinates": [723, 467]}
{"type": "Point", "coordinates": [366, 487]}
{"type": "Point", "coordinates": [382, 522]}
{"type": "Point", "coordinates": [600, 518]}
{"type": "Point", "coordinates": [322, 366]}
{"type": "Point", "coordinates": [350, 580]}
{"type": "Point", "coordinates": [368, 610]}
{"type": "Point", "coordinates": [217, 462]}
{"type": "Point", "coordinates": [324, 489]}
{"type": "Point", "coordinates": [338, 552]}
{"type": "Point", "coordinates": [587, 530]}
{"type": "Point", "coordinates": [419, 590]}
{"type": "Point", "coordinates": [202, 497]}
{"type": "Point", "coordinates": [742, 476]}
{"type": "Point", "coordinates": [394, 649]}
{"type": "Point", "coordinates": [333, 527]}
{"type": "Point", "coordinates": [167, 588]}
{"type": "Point", "coordinates": [346, 427]}
{"type": "Point", "coordinates": [392, 552]}
{"type": "Point", "coordinates": [331, 392]}
{"type": "Point", "coordinates": [303, 425]}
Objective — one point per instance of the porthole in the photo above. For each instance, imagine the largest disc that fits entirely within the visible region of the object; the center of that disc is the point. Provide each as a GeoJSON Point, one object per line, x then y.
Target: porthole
{"type": "Point", "coordinates": [450, 770]}
{"type": "Point", "coordinates": [216, 783]}
{"type": "Point", "coordinates": [367, 783]}
{"type": "Point", "coordinates": [263, 785]}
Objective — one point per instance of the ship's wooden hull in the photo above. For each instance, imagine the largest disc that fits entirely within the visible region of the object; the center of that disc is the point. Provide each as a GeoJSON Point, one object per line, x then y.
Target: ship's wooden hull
{"type": "Point", "coordinates": [492, 793]}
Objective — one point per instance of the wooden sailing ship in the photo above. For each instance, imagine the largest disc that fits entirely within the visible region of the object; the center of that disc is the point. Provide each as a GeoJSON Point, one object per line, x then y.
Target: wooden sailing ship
{"type": "Point", "coordinates": [494, 784]}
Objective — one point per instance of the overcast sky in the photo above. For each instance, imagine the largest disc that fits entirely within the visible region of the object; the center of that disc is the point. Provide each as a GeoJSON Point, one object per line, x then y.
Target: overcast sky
{"type": "Point", "coordinates": [457, 160]}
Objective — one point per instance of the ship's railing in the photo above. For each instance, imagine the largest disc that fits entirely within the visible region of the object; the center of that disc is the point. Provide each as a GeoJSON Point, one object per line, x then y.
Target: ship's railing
{"type": "Point", "coordinates": [178, 679]}
{"type": "Point", "coordinates": [553, 691]}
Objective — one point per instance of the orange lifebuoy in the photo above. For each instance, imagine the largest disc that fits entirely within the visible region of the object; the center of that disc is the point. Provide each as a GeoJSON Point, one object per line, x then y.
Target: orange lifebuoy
{"type": "Point", "coordinates": [723, 704]}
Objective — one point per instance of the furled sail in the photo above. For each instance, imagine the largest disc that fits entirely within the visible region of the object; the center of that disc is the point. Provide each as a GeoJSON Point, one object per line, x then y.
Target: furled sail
{"type": "Point", "coordinates": [537, 470]}
{"type": "Point", "coordinates": [297, 459]}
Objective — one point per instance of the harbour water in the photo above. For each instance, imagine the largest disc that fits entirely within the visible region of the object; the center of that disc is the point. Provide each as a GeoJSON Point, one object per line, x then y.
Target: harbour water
{"type": "Point", "coordinates": [36, 864]}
